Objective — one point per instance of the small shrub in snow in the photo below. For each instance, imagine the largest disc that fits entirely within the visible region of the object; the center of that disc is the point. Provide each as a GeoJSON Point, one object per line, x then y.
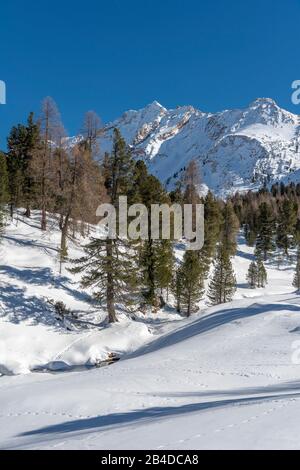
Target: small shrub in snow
{"type": "Point", "coordinates": [61, 310]}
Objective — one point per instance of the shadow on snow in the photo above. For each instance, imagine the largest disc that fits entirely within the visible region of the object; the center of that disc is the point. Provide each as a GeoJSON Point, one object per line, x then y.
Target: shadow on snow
{"type": "Point", "coordinates": [210, 322]}
{"type": "Point", "coordinates": [101, 423]}
{"type": "Point", "coordinates": [43, 277]}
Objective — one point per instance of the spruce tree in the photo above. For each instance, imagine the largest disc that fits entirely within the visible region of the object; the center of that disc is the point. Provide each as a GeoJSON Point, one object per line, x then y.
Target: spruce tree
{"type": "Point", "coordinates": [155, 256]}
{"type": "Point", "coordinates": [250, 234]}
{"type": "Point", "coordinates": [189, 286]}
{"type": "Point", "coordinates": [177, 196]}
{"type": "Point", "coordinates": [33, 141]}
{"type": "Point", "coordinates": [261, 273]}
{"type": "Point", "coordinates": [17, 145]}
{"type": "Point", "coordinates": [252, 275]}
{"type": "Point", "coordinates": [287, 219]}
{"type": "Point", "coordinates": [3, 179]}
{"type": "Point", "coordinates": [297, 230]}
{"type": "Point", "coordinates": [296, 280]}
{"type": "Point", "coordinates": [164, 267]}
{"type": "Point", "coordinates": [108, 264]}
{"type": "Point", "coordinates": [108, 267]}
{"type": "Point", "coordinates": [265, 239]}
{"type": "Point", "coordinates": [223, 283]}
{"type": "Point", "coordinates": [4, 196]}
{"type": "Point", "coordinates": [22, 144]}
{"type": "Point", "coordinates": [230, 227]}
{"type": "Point", "coordinates": [250, 219]}
{"type": "Point", "coordinates": [176, 287]}
{"type": "Point", "coordinates": [212, 228]}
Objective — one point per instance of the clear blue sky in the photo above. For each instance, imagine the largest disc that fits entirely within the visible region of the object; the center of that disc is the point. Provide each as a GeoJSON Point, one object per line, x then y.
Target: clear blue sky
{"type": "Point", "coordinates": [114, 55]}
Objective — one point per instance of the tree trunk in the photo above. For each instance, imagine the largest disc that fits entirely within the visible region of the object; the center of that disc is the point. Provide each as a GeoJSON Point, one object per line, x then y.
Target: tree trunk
{"type": "Point", "coordinates": [43, 197]}
{"type": "Point", "coordinates": [82, 229]}
{"type": "Point", "coordinates": [63, 241]}
{"type": "Point", "coordinates": [151, 276]}
{"type": "Point", "coordinates": [162, 302]}
{"type": "Point", "coordinates": [188, 313]}
{"type": "Point", "coordinates": [27, 211]}
{"type": "Point", "coordinates": [61, 222]}
{"type": "Point", "coordinates": [64, 234]}
{"type": "Point", "coordinates": [44, 219]}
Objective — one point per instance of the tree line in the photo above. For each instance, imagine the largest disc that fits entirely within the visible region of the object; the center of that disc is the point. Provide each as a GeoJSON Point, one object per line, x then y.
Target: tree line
{"type": "Point", "coordinates": [144, 273]}
{"type": "Point", "coordinates": [45, 170]}
{"type": "Point", "coordinates": [270, 219]}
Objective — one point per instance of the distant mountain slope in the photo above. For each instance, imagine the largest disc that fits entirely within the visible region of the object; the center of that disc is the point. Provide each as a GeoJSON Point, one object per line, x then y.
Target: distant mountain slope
{"type": "Point", "coordinates": [236, 149]}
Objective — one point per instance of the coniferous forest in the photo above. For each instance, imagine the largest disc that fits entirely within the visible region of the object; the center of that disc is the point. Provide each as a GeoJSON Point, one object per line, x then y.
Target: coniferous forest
{"type": "Point", "coordinates": [43, 170]}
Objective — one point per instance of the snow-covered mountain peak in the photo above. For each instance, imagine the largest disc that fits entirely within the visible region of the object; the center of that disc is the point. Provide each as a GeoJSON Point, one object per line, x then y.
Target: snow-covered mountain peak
{"type": "Point", "coordinates": [263, 102]}
{"type": "Point", "coordinates": [266, 111]}
{"type": "Point", "coordinates": [156, 105]}
{"type": "Point", "coordinates": [236, 149]}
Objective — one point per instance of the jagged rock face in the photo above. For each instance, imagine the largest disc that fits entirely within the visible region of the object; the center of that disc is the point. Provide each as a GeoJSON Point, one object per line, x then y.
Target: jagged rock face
{"type": "Point", "coordinates": [236, 149]}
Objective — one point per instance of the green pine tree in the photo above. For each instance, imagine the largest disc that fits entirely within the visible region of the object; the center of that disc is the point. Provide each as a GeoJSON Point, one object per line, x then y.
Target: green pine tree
{"type": "Point", "coordinates": [109, 265]}
{"type": "Point", "coordinates": [22, 143]}
{"type": "Point", "coordinates": [252, 275]}
{"type": "Point", "coordinates": [189, 283]}
{"type": "Point", "coordinates": [250, 234]}
{"type": "Point", "coordinates": [155, 256]}
{"type": "Point", "coordinates": [4, 196]}
{"type": "Point", "coordinates": [265, 238]}
{"type": "Point", "coordinates": [164, 267]}
{"type": "Point", "coordinates": [212, 228]}
{"type": "Point", "coordinates": [261, 273]}
{"type": "Point", "coordinates": [296, 280]}
{"type": "Point", "coordinates": [250, 220]}
{"type": "Point", "coordinates": [17, 145]}
{"type": "Point", "coordinates": [33, 141]}
{"type": "Point", "coordinates": [230, 227]}
{"type": "Point", "coordinates": [176, 287]}
{"type": "Point", "coordinates": [223, 283]}
{"type": "Point", "coordinates": [287, 220]}
{"type": "Point", "coordinates": [177, 196]}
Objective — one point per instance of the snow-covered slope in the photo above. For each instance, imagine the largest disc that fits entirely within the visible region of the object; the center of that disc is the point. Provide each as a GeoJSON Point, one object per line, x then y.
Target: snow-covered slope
{"type": "Point", "coordinates": [30, 335]}
{"type": "Point", "coordinates": [236, 149]}
{"type": "Point", "coordinates": [226, 378]}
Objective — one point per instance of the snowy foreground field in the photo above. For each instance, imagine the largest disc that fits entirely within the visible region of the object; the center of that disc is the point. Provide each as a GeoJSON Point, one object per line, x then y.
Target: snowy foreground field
{"type": "Point", "coordinates": [227, 378]}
